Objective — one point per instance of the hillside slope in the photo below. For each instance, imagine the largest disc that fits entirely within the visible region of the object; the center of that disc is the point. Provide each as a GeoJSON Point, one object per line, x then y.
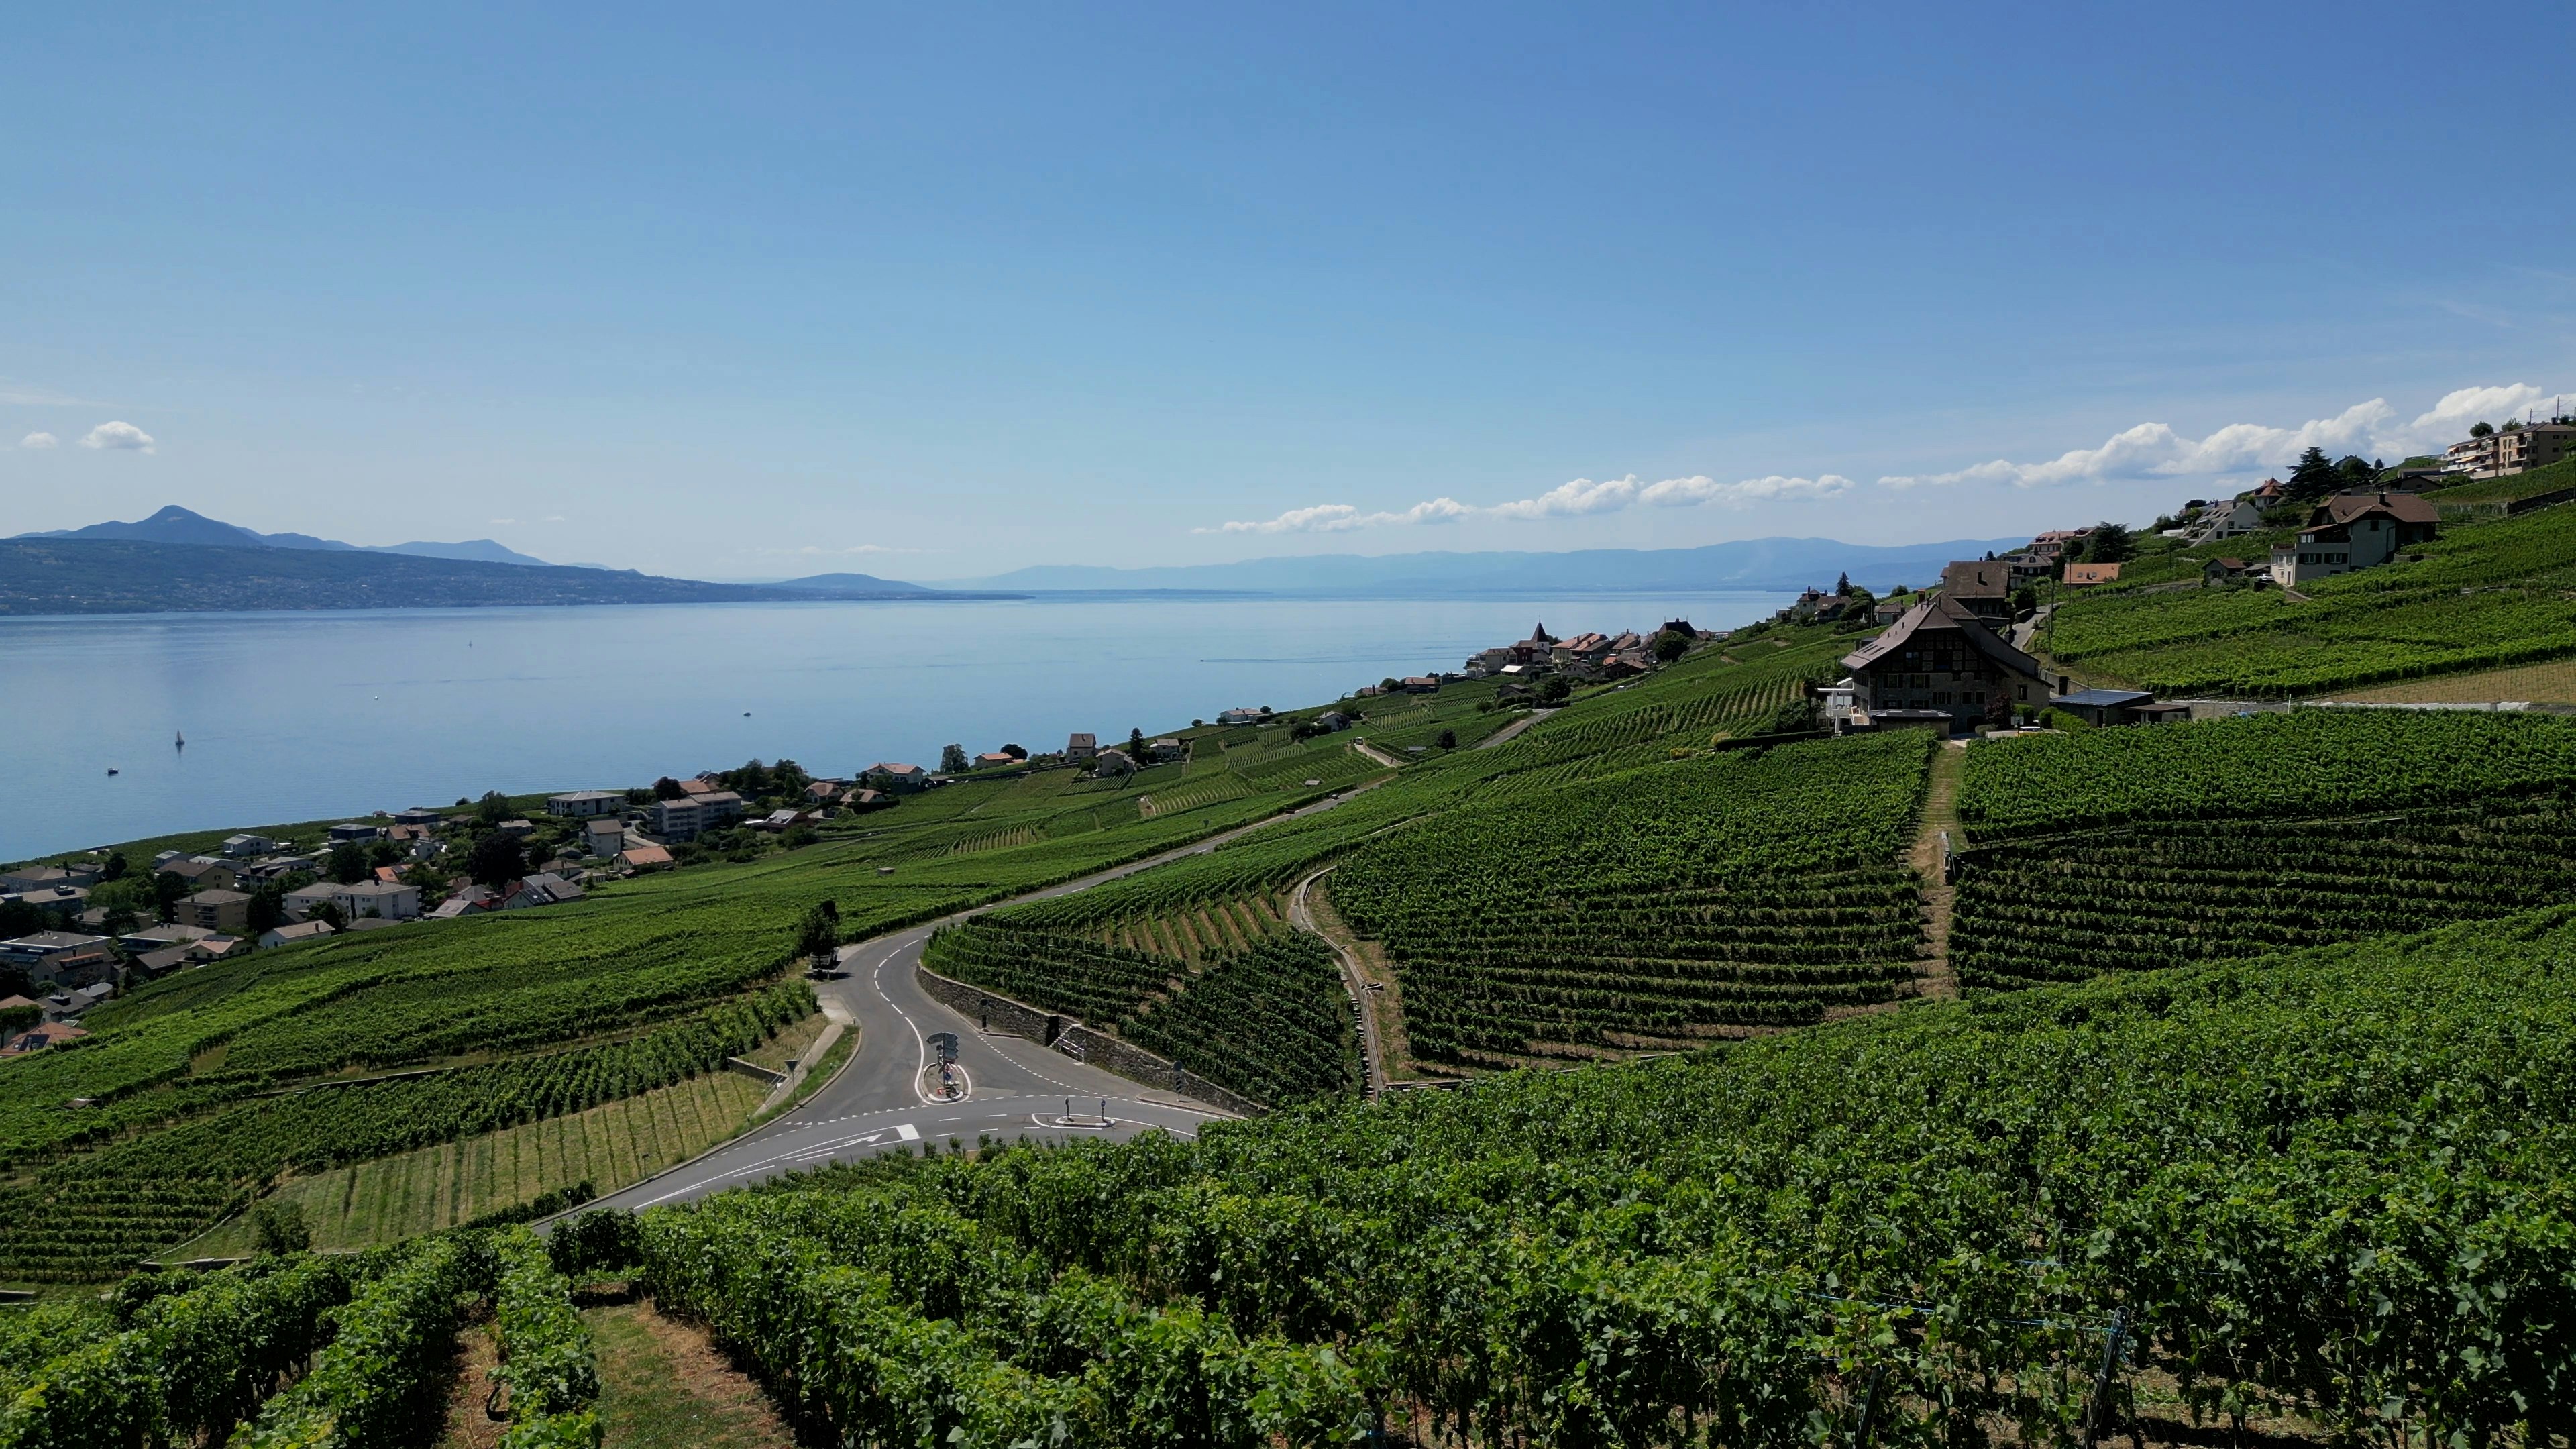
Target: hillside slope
{"type": "Point", "coordinates": [2262, 1182]}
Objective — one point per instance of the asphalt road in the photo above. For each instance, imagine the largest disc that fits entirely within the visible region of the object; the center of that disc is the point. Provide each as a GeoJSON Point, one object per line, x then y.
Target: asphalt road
{"type": "Point", "coordinates": [885, 1097]}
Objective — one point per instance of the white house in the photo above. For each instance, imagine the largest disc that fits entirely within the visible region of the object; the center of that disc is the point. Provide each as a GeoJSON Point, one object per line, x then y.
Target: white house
{"type": "Point", "coordinates": [300, 931]}
{"type": "Point", "coordinates": [386, 899]}
{"type": "Point", "coordinates": [241, 845]}
{"type": "Point", "coordinates": [583, 804]}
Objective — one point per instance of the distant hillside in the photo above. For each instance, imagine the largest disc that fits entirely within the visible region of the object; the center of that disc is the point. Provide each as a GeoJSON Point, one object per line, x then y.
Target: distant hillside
{"type": "Point", "coordinates": [174, 524]}
{"type": "Point", "coordinates": [844, 583]}
{"type": "Point", "coordinates": [1759, 564]}
{"type": "Point", "coordinates": [126, 576]}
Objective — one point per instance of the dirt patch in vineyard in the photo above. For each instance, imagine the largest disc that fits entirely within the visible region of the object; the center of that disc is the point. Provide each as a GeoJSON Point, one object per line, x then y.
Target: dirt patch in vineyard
{"type": "Point", "coordinates": [664, 1386]}
{"type": "Point", "coordinates": [466, 1425]}
{"type": "Point", "coordinates": [1940, 814]}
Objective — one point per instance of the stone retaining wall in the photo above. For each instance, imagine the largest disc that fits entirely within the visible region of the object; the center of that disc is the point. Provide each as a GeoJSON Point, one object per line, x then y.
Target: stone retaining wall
{"type": "Point", "coordinates": [1116, 1054]}
{"type": "Point", "coordinates": [991, 1012]}
{"type": "Point", "coordinates": [1068, 1035]}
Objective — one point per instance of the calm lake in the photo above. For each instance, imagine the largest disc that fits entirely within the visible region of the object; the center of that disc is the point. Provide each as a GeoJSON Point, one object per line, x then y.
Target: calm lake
{"type": "Point", "coordinates": [296, 716]}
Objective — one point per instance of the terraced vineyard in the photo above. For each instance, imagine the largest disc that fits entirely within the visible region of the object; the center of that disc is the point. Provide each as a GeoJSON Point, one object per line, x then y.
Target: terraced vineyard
{"type": "Point", "coordinates": [2487, 594]}
{"type": "Point", "coordinates": [1265, 1015]}
{"type": "Point", "coordinates": [92, 1215]}
{"type": "Point", "coordinates": [1940, 1212]}
{"type": "Point", "coordinates": [2128, 849]}
{"type": "Point", "coordinates": [1656, 908]}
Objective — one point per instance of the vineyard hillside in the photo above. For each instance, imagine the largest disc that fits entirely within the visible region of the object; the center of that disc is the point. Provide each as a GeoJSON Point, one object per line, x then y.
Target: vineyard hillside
{"type": "Point", "coordinates": [2233, 1171]}
{"type": "Point", "coordinates": [2141, 848]}
{"type": "Point", "coordinates": [2492, 591]}
{"type": "Point", "coordinates": [1691, 892]}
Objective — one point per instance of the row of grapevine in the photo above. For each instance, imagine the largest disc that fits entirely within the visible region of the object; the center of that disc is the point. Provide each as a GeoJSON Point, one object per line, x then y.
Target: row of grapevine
{"type": "Point", "coordinates": [548, 1366]}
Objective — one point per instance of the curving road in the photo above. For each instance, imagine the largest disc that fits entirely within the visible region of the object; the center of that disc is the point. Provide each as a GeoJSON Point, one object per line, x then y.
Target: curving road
{"type": "Point", "coordinates": [884, 1099]}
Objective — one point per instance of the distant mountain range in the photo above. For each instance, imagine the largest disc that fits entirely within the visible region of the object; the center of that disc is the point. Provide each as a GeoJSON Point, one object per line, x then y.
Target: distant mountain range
{"type": "Point", "coordinates": [179, 561]}
{"type": "Point", "coordinates": [1760, 564]}
{"type": "Point", "coordinates": [175, 524]}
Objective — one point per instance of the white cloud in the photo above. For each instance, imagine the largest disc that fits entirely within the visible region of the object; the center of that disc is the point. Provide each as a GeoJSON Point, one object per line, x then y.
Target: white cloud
{"type": "Point", "coordinates": [1684, 492]}
{"type": "Point", "coordinates": [816, 551]}
{"type": "Point", "coordinates": [504, 521]}
{"type": "Point", "coordinates": [40, 440]}
{"type": "Point", "coordinates": [120, 436]}
{"type": "Point", "coordinates": [2155, 450]}
{"type": "Point", "coordinates": [1342, 518]}
{"type": "Point", "coordinates": [1575, 499]}
{"type": "Point", "coordinates": [2448, 420]}
{"type": "Point", "coordinates": [554, 518]}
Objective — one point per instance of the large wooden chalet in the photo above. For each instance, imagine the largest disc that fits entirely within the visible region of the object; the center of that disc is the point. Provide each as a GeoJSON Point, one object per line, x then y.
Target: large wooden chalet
{"type": "Point", "coordinates": [1939, 659]}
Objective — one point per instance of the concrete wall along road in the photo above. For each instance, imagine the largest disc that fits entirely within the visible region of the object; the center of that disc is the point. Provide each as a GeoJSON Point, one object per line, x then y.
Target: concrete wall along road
{"type": "Point", "coordinates": [1099, 1048]}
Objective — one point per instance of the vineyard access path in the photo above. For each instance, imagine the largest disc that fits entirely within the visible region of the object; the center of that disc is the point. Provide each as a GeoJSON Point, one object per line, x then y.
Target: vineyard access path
{"type": "Point", "coordinates": [1940, 814]}
{"type": "Point", "coordinates": [1015, 1088]}
{"type": "Point", "coordinates": [1302, 916]}
{"type": "Point", "coordinates": [1505, 734]}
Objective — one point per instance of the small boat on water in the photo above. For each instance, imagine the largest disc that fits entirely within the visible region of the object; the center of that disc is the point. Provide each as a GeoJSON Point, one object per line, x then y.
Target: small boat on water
{"type": "Point", "coordinates": [180, 742]}
{"type": "Point", "coordinates": [111, 769]}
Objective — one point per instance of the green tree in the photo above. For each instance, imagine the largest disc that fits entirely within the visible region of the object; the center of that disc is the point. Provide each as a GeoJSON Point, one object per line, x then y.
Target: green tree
{"type": "Point", "coordinates": [1136, 744]}
{"type": "Point", "coordinates": [667, 788]}
{"type": "Point", "coordinates": [115, 868]}
{"type": "Point", "coordinates": [2313, 478]}
{"type": "Point", "coordinates": [496, 860]}
{"type": "Point", "coordinates": [1448, 740]}
{"type": "Point", "coordinates": [267, 909]}
{"type": "Point", "coordinates": [384, 852]}
{"type": "Point", "coordinates": [2481, 430]}
{"type": "Point", "coordinates": [167, 891]}
{"type": "Point", "coordinates": [1555, 689]}
{"type": "Point", "coordinates": [2025, 599]}
{"type": "Point", "coordinates": [329, 914]}
{"type": "Point", "coordinates": [278, 1226]}
{"type": "Point", "coordinates": [493, 808]}
{"type": "Point", "coordinates": [1797, 715]}
{"type": "Point", "coordinates": [818, 938]}
{"type": "Point", "coordinates": [347, 863]}
{"type": "Point", "coordinates": [2356, 474]}
{"type": "Point", "coordinates": [1670, 645]}
{"type": "Point", "coordinates": [2111, 543]}
{"type": "Point", "coordinates": [952, 759]}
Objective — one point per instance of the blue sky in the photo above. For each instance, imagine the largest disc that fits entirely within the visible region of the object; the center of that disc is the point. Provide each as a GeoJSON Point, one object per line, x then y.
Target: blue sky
{"type": "Point", "coordinates": [930, 293]}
